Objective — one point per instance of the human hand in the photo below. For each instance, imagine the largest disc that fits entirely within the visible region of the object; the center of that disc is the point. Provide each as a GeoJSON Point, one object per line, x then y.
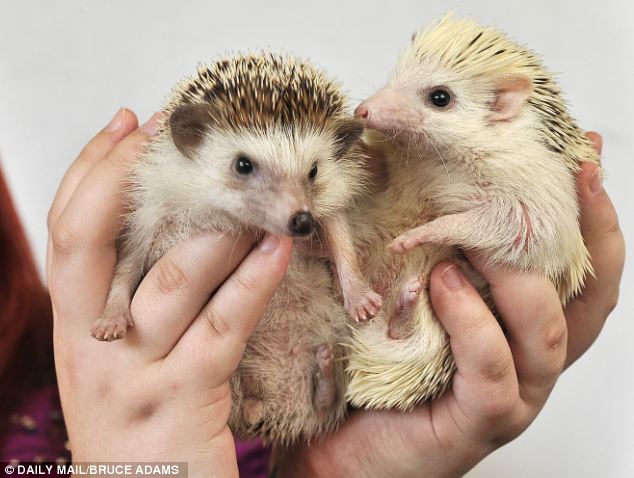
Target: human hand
{"type": "Point", "coordinates": [502, 381]}
{"type": "Point", "coordinates": [162, 393]}
{"type": "Point", "coordinates": [586, 314]}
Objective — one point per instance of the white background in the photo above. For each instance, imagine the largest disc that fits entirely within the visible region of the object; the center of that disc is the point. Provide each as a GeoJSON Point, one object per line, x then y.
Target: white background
{"type": "Point", "coordinates": [66, 66]}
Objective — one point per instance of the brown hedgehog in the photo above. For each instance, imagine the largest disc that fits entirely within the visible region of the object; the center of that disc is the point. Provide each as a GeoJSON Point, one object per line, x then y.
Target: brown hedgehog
{"type": "Point", "coordinates": [480, 154]}
{"type": "Point", "coordinates": [259, 142]}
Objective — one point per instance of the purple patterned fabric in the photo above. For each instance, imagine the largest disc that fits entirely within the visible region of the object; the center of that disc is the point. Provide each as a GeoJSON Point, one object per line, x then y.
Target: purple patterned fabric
{"type": "Point", "coordinates": [253, 459]}
{"type": "Point", "coordinates": [35, 434]}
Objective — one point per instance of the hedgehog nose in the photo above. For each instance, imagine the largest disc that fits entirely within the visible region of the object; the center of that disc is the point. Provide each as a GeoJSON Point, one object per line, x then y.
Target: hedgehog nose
{"type": "Point", "coordinates": [301, 224]}
{"type": "Point", "coordinates": [362, 111]}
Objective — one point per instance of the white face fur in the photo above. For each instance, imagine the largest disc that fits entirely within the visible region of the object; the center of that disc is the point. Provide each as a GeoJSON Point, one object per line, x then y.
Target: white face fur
{"type": "Point", "coordinates": [437, 109]}
{"type": "Point", "coordinates": [262, 179]}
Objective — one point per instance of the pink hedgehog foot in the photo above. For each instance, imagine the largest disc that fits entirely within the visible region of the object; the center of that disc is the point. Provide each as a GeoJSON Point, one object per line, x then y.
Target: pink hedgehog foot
{"type": "Point", "coordinates": [408, 298]}
{"type": "Point", "coordinates": [112, 325]}
{"type": "Point", "coordinates": [363, 304]}
{"type": "Point", "coordinates": [411, 239]}
{"type": "Point", "coordinates": [325, 389]}
{"type": "Point", "coordinates": [452, 229]}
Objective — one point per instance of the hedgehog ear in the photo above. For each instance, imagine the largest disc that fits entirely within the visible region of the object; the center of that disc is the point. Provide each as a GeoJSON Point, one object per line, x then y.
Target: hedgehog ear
{"type": "Point", "coordinates": [510, 94]}
{"type": "Point", "coordinates": [188, 124]}
{"type": "Point", "coordinates": [347, 133]}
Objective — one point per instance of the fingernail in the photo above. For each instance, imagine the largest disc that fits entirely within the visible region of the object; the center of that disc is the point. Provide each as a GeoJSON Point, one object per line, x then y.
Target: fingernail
{"type": "Point", "coordinates": [452, 277]}
{"type": "Point", "coordinates": [269, 244]}
{"type": "Point", "coordinates": [596, 182]}
{"type": "Point", "coordinates": [116, 122]}
{"type": "Point", "coordinates": [150, 127]}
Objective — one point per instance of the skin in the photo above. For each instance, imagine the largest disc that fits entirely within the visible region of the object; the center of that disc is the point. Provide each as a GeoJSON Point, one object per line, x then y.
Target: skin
{"type": "Point", "coordinates": [162, 393]}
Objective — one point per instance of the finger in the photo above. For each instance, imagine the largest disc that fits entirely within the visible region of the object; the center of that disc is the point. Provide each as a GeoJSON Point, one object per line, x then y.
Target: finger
{"type": "Point", "coordinates": [531, 311]}
{"type": "Point", "coordinates": [99, 197]}
{"type": "Point", "coordinates": [480, 350]}
{"type": "Point", "coordinates": [221, 330]}
{"type": "Point", "coordinates": [602, 234]}
{"type": "Point", "coordinates": [122, 124]}
{"type": "Point", "coordinates": [83, 237]}
{"type": "Point", "coordinates": [177, 287]}
{"type": "Point", "coordinates": [597, 140]}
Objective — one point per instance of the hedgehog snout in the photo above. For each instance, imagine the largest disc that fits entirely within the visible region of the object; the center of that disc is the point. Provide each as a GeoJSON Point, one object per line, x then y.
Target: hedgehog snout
{"type": "Point", "coordinates": [362, 111]}
{"type": "Point", "coordinates": [387, 110]}
{"type": "Point", "coordinates": [301, 224]}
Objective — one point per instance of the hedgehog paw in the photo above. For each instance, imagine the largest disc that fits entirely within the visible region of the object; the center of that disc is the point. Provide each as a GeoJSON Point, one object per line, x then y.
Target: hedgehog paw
{"type": "Point", "coordinates": [411, 290]}
{"type": "Point", "coordinates": [363, 304]}
{"type": "Point", "coordinates": [411, 239]}
{"type": "Point", "coordinates": [112, 325]}
{"type": "Point", "coordinates": [451, 230]}
{"type": "Point", "coordinates": [409, 295]}
{"type": "Point", "coordinates": [325, 389]}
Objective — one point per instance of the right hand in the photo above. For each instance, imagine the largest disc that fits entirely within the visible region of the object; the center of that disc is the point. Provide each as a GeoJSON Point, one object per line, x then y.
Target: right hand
{"type": "Point", "coordinates": [162, 393]}
{"type": "Point", "coordinates": [503, 377]}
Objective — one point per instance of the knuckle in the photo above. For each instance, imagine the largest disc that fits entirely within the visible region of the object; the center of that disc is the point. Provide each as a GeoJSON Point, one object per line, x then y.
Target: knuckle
{"type": "Point", "coordinates": [499, 405]}
{"type": "Point", "coordinates": [480, 325]}
{"type": "Point", "coordinates": [64, 237]}
{"type": "Point", "coordinates": [51, 218]}
{"type": "Point", "coordinates": [544, 380]}
{"type": "Point", "coordinates": [93, 149]}
{"type": "Point", "coordinates": [497, 371]}
{"type": "Point", "coordinates": [247, 283]}
{"type": "Point", "coordinates": [114, 158]}
{"type": "Point", "coordinates": [218, 325]}
{"type": "Point", "coordinates": [126, 152]}
{"type": "Point", "coordinates": [170, 276]}
{"type": "Point", "coordinates": [143, 409]}
{"type": "Point", "coordinates": [612, 226]}
{"type": "Point", "coordinates": [556, 337]}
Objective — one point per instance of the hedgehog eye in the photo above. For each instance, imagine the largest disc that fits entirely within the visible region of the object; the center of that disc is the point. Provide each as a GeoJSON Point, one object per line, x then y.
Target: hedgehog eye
{"type": "Point", "coordinates": [243, 165]}
{"type": "Point", "coordinates": [313, 172]}
{"type": "Point", "coordinates": [440, 98]}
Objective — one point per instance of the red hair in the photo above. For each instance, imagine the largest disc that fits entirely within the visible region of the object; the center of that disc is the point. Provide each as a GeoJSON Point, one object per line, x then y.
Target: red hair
{"type": "Point", "coordinates": [26, 326]}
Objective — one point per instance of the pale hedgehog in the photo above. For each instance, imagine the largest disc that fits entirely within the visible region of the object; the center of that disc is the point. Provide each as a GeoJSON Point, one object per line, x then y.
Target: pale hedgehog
{"type": "Point", "coordinates": [258, 142]}
{"type": "Point", "coordinates": [480, 154]}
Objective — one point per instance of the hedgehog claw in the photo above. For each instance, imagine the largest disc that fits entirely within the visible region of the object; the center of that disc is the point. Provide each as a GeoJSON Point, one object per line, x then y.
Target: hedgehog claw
{"type": "Point", "coordinates": [364, 305]}
{"type": "Point", "coordinates": [111, 326]}
{"type": "Point", "coordinates": [405, 243]}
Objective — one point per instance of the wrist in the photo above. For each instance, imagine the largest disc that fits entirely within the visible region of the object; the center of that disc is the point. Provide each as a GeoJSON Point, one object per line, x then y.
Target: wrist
{"type": "Point", "coordinates": [216, 458]}
{"type": "Point", "coordinates": [319, 460]}
{"type": "Point", "coordinates": [205, 457]}
{"type": "Point", "coordinates": [434, 452]}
